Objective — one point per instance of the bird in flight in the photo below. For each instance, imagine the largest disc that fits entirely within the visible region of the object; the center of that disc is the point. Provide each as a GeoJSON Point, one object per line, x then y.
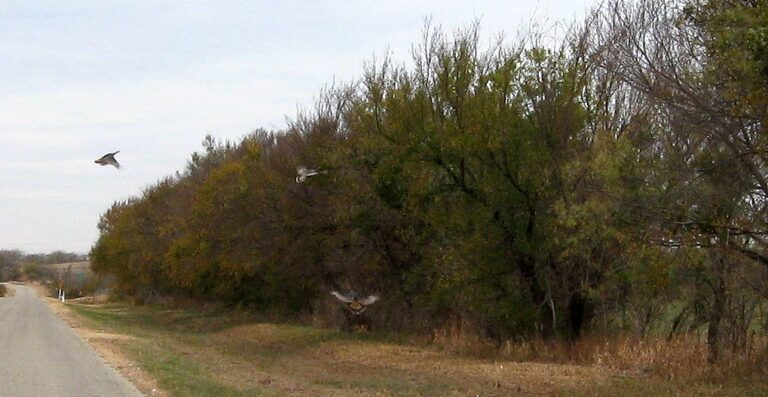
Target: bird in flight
{"type": "Point", "coordinates": [303, 173]}
{"type": "Point", "coordinates": [355, 304]}
{"type": "Point", "coordinates": [108, 159]}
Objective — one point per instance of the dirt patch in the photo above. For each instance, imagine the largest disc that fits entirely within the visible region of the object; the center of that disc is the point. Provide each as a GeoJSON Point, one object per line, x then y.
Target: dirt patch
{"type": "Point", "coordinates": [8, 291]}
{"type": "Point", "coordinates": [105, 345]}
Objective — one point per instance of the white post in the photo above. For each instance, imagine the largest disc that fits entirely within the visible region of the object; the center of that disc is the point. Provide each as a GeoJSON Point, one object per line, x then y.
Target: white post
{"type": "Point", "coordinates": [63, 296]}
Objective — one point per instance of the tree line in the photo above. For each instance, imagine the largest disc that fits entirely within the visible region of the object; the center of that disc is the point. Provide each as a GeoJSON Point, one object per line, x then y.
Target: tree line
{"type": "Point", "coordinates": [613, 181]}
{"type": "Point", "coordinates": [16, 263]}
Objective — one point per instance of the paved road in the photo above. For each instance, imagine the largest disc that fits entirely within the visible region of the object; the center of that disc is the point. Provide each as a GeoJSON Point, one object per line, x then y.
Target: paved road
{"type": "Point", "coordinates": [41, 356]}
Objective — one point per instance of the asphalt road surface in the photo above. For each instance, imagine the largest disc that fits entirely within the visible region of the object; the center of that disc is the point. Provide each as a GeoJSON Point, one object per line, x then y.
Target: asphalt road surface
{"type": "Point", "coordinates": [41, 356]}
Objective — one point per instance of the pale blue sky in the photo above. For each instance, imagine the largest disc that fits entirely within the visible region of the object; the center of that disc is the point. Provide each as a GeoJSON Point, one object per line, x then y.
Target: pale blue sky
{"type": "Point", "coordinates": [152, 78]}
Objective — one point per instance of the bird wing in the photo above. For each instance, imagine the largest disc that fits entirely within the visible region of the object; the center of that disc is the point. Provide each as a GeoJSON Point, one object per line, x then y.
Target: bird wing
{"type": "Point", "coordinates": [343, 298]}
{"type": "Point", "coordinates": [305, 172]}
{"type": "Point", "coordinates": [369, 300]}
{"type": "Point", "coordinates": [109, 158]}
{"type": "Point", "coordinates": [109, 155]}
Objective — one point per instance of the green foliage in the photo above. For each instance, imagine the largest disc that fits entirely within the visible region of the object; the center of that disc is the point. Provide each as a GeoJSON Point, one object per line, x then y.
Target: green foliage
{"type": "Point", "coordinates": [737, 38]}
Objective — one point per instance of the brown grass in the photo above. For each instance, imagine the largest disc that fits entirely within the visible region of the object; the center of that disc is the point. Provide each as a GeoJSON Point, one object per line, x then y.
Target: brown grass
{"type": "Point", "coordinates": [330, 364]}
{"type": "Point", "coordinates": [682, 358]}
{"type": "Point", "coordinates": [243, 355]}
{"type": "Point", "coordinates": [251, 357]}
{"type": "Point", "coordinates": [678, 366]}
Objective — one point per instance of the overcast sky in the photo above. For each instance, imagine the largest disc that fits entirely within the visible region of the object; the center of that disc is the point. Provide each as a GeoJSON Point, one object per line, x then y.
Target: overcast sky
{"type": "Point", "coordinates": [152, 78]}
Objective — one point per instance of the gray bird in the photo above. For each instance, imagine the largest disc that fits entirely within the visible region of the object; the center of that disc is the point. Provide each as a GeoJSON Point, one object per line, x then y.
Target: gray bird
{"type": "Point", "coordinates": [303, 173]}
{"type": "Point", "coordinates": [108, 159]}
{"type": "Point", "coordinates": [355, 304]}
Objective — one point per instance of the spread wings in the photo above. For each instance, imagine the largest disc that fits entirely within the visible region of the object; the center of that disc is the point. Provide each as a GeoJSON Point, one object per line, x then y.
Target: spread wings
{"type": "Point", "coordinates": [109, 159]}
{"type": "Point", "coordinates": [369, 300]}
{"type": "Point", "coordinates": [343, 298]}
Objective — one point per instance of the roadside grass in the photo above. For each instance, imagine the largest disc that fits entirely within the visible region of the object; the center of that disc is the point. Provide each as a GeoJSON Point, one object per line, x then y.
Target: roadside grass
{"type": "Point", "coordinates": [182, 375]}
{"type": "Point", "coordinates": [677, 367]}
{"type": "Point", "coordinates": [220, 352]}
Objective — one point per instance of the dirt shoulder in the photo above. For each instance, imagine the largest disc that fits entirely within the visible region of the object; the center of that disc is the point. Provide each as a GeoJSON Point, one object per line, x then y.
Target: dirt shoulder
{"type": "Point", "coordinates": [105, 344]}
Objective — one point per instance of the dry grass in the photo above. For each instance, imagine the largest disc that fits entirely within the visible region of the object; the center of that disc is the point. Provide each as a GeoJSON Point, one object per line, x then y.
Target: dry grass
{"type": "Point", "coordinates": [683, 358]}
{"type": "Point", "coordinates": [230, 355]}
{"type": "Point", "coordinates": [227, 353]}
{"type": "Point", "coordinates": [641, 366]}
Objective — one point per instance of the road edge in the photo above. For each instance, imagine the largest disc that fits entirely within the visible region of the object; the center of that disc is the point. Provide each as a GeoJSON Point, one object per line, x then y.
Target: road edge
{"type": "Point", "coordinates": [103, 344]}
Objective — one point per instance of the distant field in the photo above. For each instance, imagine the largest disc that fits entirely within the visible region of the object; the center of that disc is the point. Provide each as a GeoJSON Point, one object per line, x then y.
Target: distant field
{"type": "Point", "coordinates": [218, 353]}
{"type": "Point", "coordinates": [79, 272]}
{"type": "Point", "coordinates": [76, 266]}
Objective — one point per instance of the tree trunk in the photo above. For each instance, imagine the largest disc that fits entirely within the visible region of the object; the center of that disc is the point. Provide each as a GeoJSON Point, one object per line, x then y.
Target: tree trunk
{"type": "Point", "coordinates": [527, 268]}
{"type": "Point", "coordinates": [716, 312]}
{"type": "Point", "coordinates": [580, 312]}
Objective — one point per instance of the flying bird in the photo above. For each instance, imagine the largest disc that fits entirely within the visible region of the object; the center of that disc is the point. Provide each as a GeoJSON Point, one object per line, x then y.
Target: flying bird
{"type": "Point", "coordinates": [355, 304]}
{"type": "Point", "coordinates": [303, 173]}
{"type": "Point", "coordinates": [108, 159]}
